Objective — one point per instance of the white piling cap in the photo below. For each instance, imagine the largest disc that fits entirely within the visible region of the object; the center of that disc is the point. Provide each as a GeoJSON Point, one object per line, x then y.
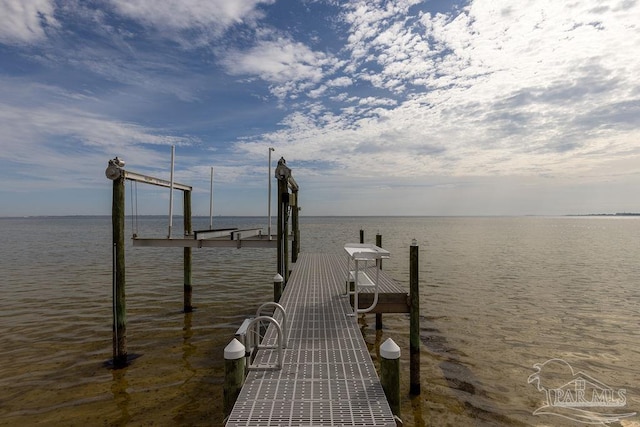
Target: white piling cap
{"type": "Point", "coordinates": [234, 350]}
{"type": "Point", "coordinates": [278, 278]}
{"type": "Point", "coordinates": [390, 350]}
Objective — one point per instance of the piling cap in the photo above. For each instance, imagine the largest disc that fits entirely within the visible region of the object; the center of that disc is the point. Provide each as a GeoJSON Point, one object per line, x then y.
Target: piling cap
{"type": "Point", "coordinates": [390, 350]}
{"type": "Point", "coordinates": [278, 278]}
{"type": "Point", "coordinates": [234, 350]}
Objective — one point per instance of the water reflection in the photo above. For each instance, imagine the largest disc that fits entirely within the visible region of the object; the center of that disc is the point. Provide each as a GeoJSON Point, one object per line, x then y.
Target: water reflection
{"type": "Point", "coordinates": [121, 396]}
{"type": "Point", "coordinates": [418, 404]}
{"type": "Point", "coordinates": [189, 387]}
{"type": "Point", "coordinates": [188, 349]}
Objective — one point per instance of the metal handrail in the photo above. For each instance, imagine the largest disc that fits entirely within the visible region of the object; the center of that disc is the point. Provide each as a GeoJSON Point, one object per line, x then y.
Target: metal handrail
{"type": "Point", "coordinates": [284, 317]}
{"type": "Point", "coordinates": [363, 252]}
{"type": "Point", "coordinates": [358, 310]}
{"type": "Point", "coordinates": [253, 337]}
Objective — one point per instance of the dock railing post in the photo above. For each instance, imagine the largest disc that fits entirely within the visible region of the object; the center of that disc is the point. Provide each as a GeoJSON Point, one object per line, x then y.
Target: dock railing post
{"type": "Point", "coordinates": [414, 321]}
{"type": "Point", "coordinates": [390, 374]}
{"type": "Point", "coordinates": [234, 370]}
{"type": "Point", "coordinates": [188, 287]}
{"type": "Point", "coordinates": [116, 174]}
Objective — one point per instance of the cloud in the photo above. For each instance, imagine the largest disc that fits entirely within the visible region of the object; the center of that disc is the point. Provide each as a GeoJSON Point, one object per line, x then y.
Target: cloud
{"type": "Point", "coordinates": [61, 142]}
{"type": "Point", "coordinates": [400, 89]}
{"type": "Point", "coordinates": [26, 21]}
{"type": "Point", "coordinates": [368, 18]}
{"type": "Point", "coordinates": [343, 81]}
{"type": "Point", "coordinates": [478, 44]}
{"type": "Point", "coordinates": [291, 67]}
{"type": "Point", "coordinates": [371, 100]}
{"type": "Point", "coordinates": [26, 128]}
{"type": "Point", "coordinates": [189, 14]}
{"type": "Point", "coordinates": [488, 90]}
{"type": "Point", "coordinates": [146, 72]}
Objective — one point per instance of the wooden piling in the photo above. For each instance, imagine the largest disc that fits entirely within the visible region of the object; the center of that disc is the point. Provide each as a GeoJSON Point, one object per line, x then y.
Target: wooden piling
{"type": "Point", "coordinates": [379, 315]}
{"type": "Point", "coordinates": [281, 189]}
{"type": "Point", "coordinates": [361, 236]}
{"type": "Point", "coordinates": [414, 321]}
{"type": "Point", "coordinates": [234, 370]}
{"type": "Point", "coordinates": [188, 287]}
{"type": "Point", "coordinates": [295, 228]}
{"type": "Point", "coordinates": [378, 321]}
{"type": "Point", "coordinates": [390, 374]}
{"type": "Point", "coordinates": [285, 234]}
{"type": "Point", "coordinates": [277, 287]}
{"type": "Point", "coordinates": [119, 299]}
{"type": "Point", "coordinates": [283, 173]}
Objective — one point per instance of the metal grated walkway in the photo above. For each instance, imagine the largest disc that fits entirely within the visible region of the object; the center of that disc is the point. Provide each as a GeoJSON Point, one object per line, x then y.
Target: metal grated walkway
{"type": "Point", "coordinates": [327, 377]}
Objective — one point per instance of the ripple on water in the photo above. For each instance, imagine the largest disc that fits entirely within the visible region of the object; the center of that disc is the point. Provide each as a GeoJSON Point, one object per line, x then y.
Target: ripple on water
{"type": "Point", "coordinates": [497, 296]}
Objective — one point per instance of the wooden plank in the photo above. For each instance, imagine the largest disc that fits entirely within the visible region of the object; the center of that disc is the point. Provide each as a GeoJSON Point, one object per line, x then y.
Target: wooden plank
{"type": "Point", "coordinates": [391, 297]}
{"type": "Point", "coordinates": [387, 302]}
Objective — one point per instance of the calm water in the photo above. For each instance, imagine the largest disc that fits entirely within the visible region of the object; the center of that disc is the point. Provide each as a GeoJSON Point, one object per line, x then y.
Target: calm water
{"type": "Point", "coordinates": [498, 295]}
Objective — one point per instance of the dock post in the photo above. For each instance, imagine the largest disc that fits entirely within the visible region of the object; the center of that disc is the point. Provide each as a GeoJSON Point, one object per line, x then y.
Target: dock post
{"type": "Point", "coordinates": [390, 374]}
{"type": "Point", "coordinates": [285, 235]}
{"type": "Point", "coordinates": [279, 228]}
{"type": "Point", "coordinates": [277, 287]}
{"type": "Point", "coordinates": [361, 235]}
{"type": "Point", "coordinates": [282, 174]}
{"type": "Point", "coordinates": [188, 288]}
{"type": "Point", "coordinates": [379, 315]}
{"type": "Point", "coordinates": [414, 321]}
{"type": "Point", "coordinates": [115, 173]}
{"type": "Point", "coordinates": [234, 368]}
{"type": "Point", "coordinates": [295, 228]}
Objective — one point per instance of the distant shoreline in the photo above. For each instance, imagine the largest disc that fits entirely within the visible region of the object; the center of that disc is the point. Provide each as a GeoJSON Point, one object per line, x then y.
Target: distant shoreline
{"type": "Point", "coordinates": [617, 214]}
{"type": "Point", "coordinates": [605, 214]}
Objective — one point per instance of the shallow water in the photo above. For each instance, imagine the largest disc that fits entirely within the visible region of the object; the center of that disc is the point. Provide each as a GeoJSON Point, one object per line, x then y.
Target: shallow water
{"type": "Point", "coordinates": [498, 295]}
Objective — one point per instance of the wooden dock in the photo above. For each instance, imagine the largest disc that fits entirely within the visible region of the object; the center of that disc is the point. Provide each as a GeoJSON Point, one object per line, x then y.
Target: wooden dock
{"type": "Point", "coordinates": [327, 376]}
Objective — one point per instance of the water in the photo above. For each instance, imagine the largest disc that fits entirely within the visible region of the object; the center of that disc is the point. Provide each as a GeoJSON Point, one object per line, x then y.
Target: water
{"type": "Point", "coordinates": [498, 295]}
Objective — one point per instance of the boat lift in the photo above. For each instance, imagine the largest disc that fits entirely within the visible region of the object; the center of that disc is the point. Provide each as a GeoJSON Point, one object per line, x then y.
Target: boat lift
{"type": "Point", "coordinates": [229, 237]}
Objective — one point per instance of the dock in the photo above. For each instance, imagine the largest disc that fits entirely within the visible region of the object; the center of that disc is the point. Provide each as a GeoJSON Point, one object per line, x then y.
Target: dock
{"type": "Point", "coordinates": [312, 366]}
{"type": "Point", "coordinates": [327, 376]}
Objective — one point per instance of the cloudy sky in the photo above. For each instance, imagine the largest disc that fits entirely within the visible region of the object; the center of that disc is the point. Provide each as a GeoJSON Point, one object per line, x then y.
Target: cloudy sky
{"type": "Point", "coordinates": [399, 107]}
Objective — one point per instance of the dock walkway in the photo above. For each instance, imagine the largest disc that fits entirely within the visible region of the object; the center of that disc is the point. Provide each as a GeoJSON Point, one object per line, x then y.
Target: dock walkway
{"type": "Point", "coordinates": [327, 376]}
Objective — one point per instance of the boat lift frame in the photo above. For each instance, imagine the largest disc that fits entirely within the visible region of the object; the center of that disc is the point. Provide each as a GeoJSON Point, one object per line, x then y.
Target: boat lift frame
{"type": "Point", "coordinates": [231, 238]}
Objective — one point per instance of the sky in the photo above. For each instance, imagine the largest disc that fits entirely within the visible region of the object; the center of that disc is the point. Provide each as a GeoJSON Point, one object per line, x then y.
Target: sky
{"type": "Point", "coordinates": [398, 107]}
